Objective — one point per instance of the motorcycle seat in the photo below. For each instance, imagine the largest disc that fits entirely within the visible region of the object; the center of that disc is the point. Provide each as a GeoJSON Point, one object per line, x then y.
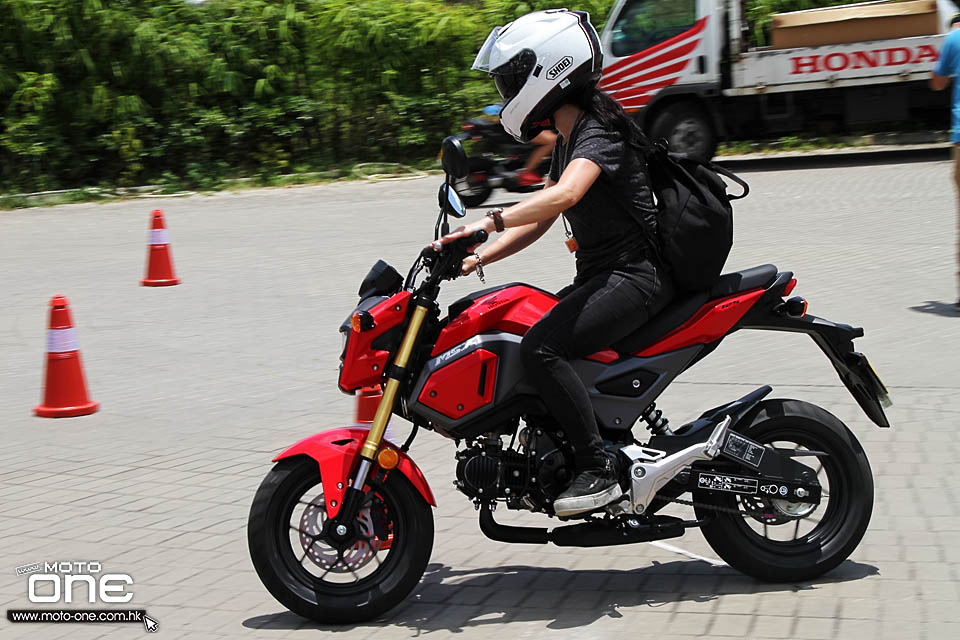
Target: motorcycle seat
{"type": "Point", "coordinates": [686, 304]}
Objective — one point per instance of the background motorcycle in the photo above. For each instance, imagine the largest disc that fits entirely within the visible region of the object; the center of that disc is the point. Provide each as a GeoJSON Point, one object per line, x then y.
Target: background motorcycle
{"type": "Point", "coordinates": [341, 529]}
{"type": "Point", "coordinates": [496, 156]}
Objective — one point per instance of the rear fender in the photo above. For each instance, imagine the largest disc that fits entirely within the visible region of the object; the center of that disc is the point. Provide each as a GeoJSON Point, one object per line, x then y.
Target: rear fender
{"type": "Point", "coordinates": [699, 430]}
{"type": "Point", "coordinates": [836, 342]}
{"type": "Point", "coordinates": [336, 452]}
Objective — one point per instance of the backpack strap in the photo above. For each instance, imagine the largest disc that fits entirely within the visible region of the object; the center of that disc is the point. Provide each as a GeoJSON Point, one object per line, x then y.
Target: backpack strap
{"type": "Point", "coordinates": [729, 174]}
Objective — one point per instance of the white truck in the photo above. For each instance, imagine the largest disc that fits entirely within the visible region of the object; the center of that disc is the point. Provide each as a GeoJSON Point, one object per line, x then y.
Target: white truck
{"type": "Point", "coordinates": [687, 70]}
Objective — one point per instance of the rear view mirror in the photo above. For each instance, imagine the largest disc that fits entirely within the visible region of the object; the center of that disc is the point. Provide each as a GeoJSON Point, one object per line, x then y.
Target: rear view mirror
{"type": "Point", "coordinates": [453, 157]}
{"type": "Point", "coordinates": [454, 205]}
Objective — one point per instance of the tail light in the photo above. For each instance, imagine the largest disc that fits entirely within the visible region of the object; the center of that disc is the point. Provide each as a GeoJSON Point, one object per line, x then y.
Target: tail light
{"type": "Point", "coordinates": [467, 126]}
{"type": "Point", "coordinates": [795, 307]}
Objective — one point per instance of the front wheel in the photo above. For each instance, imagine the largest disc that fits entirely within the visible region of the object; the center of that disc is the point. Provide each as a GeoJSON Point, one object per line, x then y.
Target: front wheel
{"type": "Point", "coordinates": [782, 541]}
{"type": "Point", "coordinates": [474, 189]}
{"type": "Point", "coordinates": [333, 583]}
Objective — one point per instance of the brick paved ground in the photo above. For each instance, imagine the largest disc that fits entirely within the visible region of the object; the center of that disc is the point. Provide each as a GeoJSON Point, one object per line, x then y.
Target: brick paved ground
{"type": "Point", "coordinates": [201, 384]}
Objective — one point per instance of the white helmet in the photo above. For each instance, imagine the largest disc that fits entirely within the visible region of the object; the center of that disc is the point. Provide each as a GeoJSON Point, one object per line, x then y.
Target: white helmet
{"type": "Point", "coordinates": [536, 61]}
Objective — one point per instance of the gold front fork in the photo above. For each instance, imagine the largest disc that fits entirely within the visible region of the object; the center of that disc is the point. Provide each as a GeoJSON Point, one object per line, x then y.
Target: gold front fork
{"type": "Point", "coordinates": [385, 409]}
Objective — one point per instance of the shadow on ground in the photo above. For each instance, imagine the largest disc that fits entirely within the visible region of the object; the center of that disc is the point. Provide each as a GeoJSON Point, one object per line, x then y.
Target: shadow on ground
{"type": "Point", "coordinates": [451, 600]}
{"type": "Point", "coordinates": [835, 160]}
{"type": "Point", "coordinates": [948, 309]}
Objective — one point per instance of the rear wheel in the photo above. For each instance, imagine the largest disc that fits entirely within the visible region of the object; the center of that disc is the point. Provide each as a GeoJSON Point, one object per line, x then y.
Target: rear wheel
{"type": "Point", "coordinates": [318, 579]}
{"type": "Point", "coordinates": [783, 541]}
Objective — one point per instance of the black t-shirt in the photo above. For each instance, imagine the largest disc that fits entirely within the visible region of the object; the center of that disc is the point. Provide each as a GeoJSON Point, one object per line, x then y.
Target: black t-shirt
{"type": "Point", "coordinates": [608, 234]}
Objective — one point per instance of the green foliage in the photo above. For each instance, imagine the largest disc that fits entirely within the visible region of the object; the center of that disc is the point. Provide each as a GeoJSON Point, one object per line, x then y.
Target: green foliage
{"type": "Point", "coordinates": [135, 91]}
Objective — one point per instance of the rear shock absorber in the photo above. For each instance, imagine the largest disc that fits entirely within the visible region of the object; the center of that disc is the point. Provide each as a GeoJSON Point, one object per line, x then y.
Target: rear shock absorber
{"type": "Point", "coordinates": [656, 423]}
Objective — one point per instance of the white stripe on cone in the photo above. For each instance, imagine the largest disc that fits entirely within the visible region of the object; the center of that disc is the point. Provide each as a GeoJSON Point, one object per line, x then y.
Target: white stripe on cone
{"type": "Point", "coordinates": [159, 236]}
{"type": "Point", "coordinates": [61, 340]}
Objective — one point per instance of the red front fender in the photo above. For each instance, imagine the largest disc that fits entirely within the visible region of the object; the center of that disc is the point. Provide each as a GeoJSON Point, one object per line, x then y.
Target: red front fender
{"type": "Point", "coordinates": [336, 451]}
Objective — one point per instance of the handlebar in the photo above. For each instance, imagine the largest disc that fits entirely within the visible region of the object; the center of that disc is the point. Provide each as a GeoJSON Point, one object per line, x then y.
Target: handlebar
{"type": "Point", "coordinates": [444, 260]}
{"type": "Point", "coordinates": [455, 247]}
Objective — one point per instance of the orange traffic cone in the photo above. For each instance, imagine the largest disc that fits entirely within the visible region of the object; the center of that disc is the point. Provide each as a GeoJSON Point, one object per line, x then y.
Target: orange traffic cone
{"type": "Point", "coordinates": [65, 391]}
{"type": "Point", "coordinates": [368, 399]}
{"type": "Point", "coordinates": [159, 263]}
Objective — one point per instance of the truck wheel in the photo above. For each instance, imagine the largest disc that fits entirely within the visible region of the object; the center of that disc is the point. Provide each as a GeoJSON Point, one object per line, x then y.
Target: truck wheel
{"type": "Point", "coordinates": [688, 129]}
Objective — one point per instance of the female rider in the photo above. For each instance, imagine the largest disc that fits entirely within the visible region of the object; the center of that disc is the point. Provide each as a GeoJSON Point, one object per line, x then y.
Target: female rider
{"type": "Point", "coordinates": [546, 66]}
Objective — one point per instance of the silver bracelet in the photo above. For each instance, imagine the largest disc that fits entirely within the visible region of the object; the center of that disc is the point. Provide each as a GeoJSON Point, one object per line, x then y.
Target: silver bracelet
{"type": "Point", "coordinates": [479, 267]}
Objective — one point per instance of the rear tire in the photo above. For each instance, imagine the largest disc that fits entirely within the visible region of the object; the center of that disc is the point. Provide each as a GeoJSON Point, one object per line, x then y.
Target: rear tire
{"type": "Point", "coordinates": [688, 129]}
{"type": "Point", "coordinates": [399, 565]}
{"type": "Point", "coordinates": [844, 519]}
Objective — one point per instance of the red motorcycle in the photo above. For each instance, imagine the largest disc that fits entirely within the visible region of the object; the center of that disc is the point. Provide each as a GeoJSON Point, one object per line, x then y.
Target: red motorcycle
{"type": "Point", "coordinates": [341, 528]}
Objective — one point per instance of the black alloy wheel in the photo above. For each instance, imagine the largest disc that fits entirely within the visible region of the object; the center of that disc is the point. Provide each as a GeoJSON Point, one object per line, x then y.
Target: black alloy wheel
{"type": "Point", "coordinates": [775, 539]}
{"type": "Point", "coordinates": [313, 576]}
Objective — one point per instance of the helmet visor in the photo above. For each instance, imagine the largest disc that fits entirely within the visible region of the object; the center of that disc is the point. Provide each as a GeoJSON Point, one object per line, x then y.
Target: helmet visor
{"type": "Point", "coordinates": [511, 76]}
{"type": "Point", "coordinates": [482, 61]}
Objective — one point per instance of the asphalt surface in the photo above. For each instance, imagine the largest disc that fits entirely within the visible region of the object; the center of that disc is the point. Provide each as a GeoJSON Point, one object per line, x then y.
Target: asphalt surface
{"type": "Point", "coordinates": [201, 384]}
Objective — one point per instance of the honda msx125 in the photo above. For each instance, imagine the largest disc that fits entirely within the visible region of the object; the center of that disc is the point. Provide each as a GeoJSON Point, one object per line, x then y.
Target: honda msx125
{"type": "Point", "coordinates": [341, 529]}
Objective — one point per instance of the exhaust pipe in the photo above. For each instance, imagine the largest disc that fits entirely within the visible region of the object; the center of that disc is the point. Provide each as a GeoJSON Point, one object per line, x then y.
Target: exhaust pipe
{"type": "Point", "coordinates": [603, 533]}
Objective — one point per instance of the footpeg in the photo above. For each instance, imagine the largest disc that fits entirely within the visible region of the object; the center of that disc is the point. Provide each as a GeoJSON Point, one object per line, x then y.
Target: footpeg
{"type": "Point", "coordinates": [652, 469]}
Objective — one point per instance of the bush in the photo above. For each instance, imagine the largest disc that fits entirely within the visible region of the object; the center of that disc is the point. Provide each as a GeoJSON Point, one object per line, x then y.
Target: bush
{"type": "Point", "coordinates": [127, 91]}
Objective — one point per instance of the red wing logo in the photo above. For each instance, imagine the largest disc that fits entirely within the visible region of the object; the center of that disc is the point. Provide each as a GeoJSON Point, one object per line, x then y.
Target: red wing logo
{"type": "Point", "coordinates": [493, 302]}
{"type": "Point", "coordinates": [633, 81]}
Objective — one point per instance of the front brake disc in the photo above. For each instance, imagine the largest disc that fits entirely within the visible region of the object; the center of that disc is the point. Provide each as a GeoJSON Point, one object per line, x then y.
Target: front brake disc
{"type": "Point", "coordinates": [327, 557]}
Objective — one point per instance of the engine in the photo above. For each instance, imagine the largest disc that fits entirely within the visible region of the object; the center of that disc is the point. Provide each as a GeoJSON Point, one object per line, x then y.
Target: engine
{"type": "Point", "coordinates": [526, 479]}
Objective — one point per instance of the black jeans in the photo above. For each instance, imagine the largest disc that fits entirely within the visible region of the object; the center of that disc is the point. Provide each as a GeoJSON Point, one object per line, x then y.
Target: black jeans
{"type": "Point", "coordinates": [589, 317]}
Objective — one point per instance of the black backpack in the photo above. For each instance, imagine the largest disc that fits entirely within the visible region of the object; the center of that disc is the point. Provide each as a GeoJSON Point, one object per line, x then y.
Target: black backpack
{"type": "Point", "coordinates": [695, 218]}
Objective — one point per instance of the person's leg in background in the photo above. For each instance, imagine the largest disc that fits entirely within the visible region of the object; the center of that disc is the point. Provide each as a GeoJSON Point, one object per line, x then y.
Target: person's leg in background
{"type": "Point", "coordinates": [529, 175]}
{"type": "Point", "coordinates": [956, 180]}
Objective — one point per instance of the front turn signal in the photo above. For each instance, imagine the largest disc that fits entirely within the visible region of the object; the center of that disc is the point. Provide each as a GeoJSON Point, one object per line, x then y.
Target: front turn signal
{"type": "Point", "coordinates": [388, 458]}
{"type": "Point", "coordinates": [361, 321]}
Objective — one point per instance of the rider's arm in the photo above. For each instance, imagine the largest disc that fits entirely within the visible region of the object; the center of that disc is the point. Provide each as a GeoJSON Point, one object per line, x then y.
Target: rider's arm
{"type": "Point", "coordinates": [577, 178]}
{"type": "Point", "coordinates": [512, 240]}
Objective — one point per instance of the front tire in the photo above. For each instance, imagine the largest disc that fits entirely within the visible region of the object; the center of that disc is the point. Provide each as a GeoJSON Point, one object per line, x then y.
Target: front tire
{"type": "Point", "coordinates": [319, 581]}
{"type": "Point", "coordinates": [474, 189]}
{"type": "Point", "coordinates": [842, 518]}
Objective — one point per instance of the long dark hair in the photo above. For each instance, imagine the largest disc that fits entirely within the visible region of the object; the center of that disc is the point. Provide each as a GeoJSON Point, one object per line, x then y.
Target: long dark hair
{"type": "Point", "coordinates": [610, 114]}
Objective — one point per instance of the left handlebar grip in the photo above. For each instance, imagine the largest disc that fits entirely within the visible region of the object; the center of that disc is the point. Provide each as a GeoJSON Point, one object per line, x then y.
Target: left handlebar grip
{"type": "Point", "coordinates": [479, 236]}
